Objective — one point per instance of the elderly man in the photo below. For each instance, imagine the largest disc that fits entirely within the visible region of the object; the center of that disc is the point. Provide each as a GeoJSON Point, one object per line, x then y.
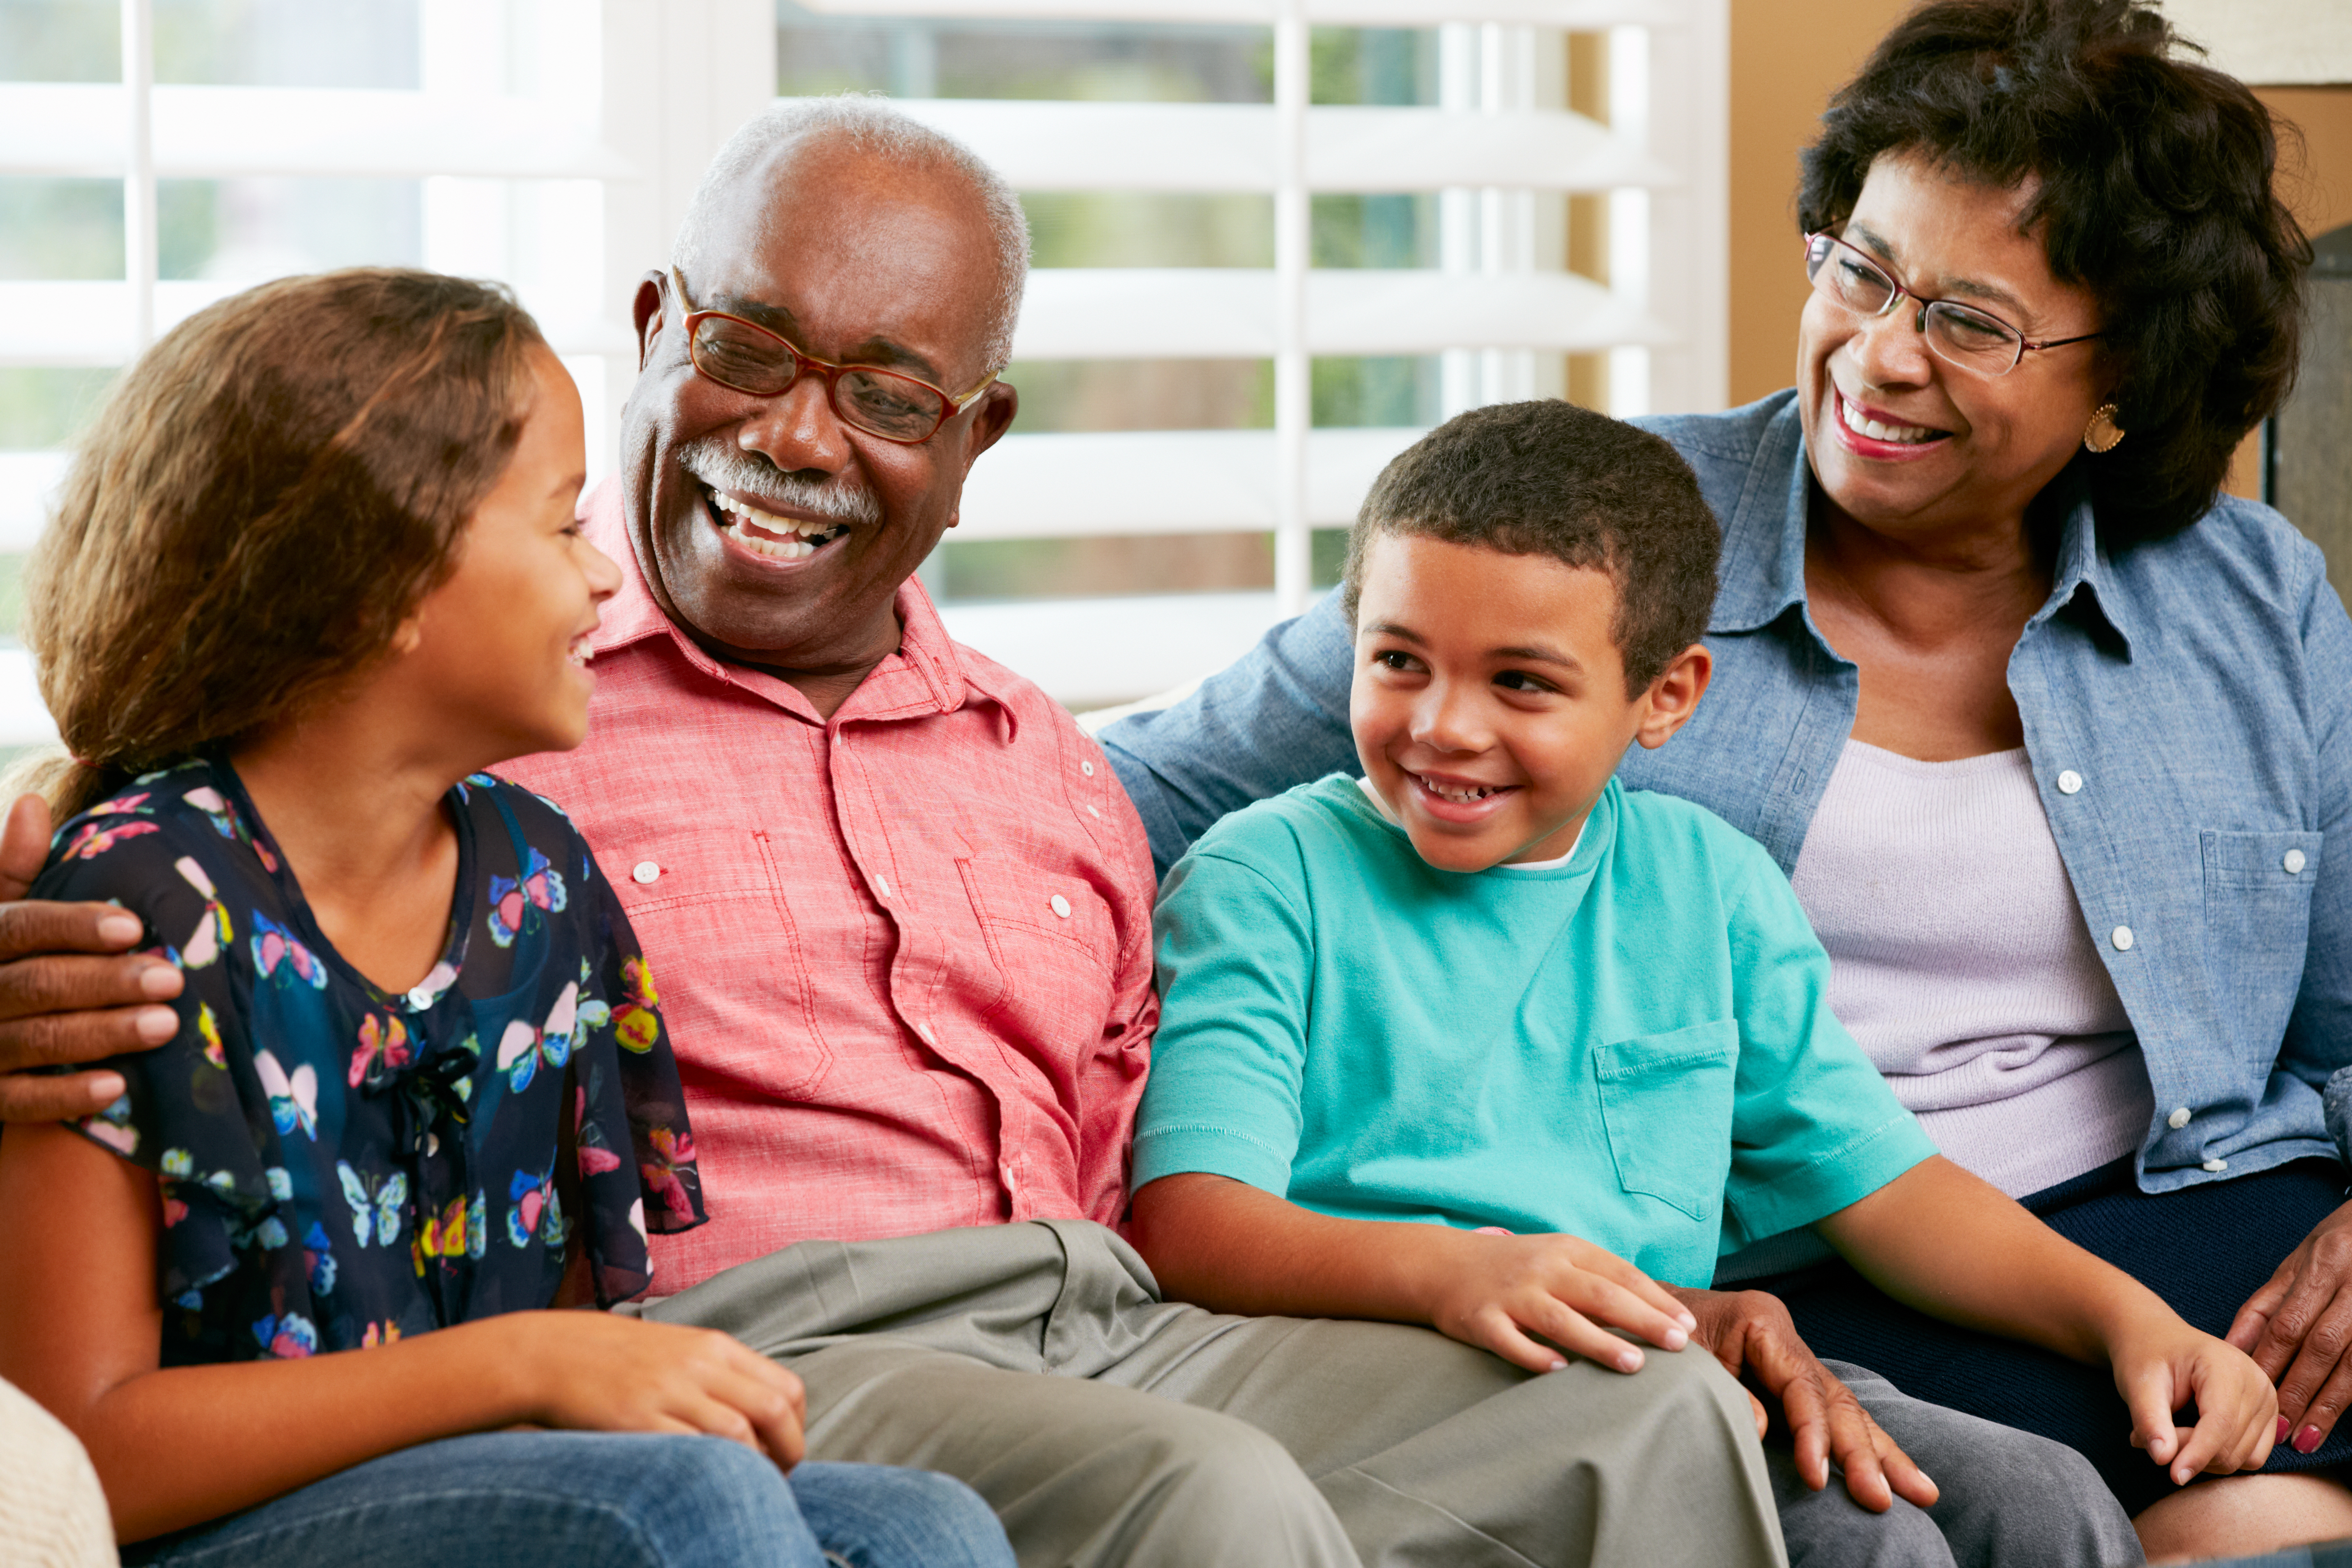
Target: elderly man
{"type": "Point", "coordinates": [899, 911]}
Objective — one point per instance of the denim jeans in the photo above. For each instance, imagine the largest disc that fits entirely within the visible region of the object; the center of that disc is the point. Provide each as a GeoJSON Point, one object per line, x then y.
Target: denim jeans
{"type": "Point", "coordinates": [596, 1499]}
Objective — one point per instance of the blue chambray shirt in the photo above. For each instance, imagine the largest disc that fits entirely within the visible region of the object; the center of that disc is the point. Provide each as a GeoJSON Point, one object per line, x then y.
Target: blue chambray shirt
{"type": "Point", "coordinates": [2186, 707]}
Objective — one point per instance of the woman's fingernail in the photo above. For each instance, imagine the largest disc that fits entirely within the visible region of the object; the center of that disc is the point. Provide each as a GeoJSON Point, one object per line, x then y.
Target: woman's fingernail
{"type": "Point", "coordinates": [1559, 1365]}
{"type": "Point", "coordinates": [156, 1025]}
{"type": "Point", "coordinates": [1629, 1361]}
{"type": "Point", "coordinates": [160, 981]}
{"type": "Point", "coordinates": [2282, 1431]}
{"type": "Point", "coordinates": [106, 1088]}
{"type": "Point", "coordinates": [120, 930]}
{"type": "Point", "coordinates": [1676, 1339]}
{"type": "Point", "coordinates": [2306, 1440]}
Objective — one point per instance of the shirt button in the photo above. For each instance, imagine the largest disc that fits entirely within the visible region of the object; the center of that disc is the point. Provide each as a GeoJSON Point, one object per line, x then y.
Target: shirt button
{"type": "Point", "coordinates": [882, 884]}
{"type": "Point", "coordinates": [2178, 1119]}
{"type": "Point", "coordinates": [925, 1031]}
{"type": "Point", "coordinates": [2070, 783]}
{"type": "Point", "coordinates": [644, 873]}
{"type": "Point", "coordinates": [2122, 937]}
{"type": "Point", "coordinates": [2294, 862]}
{"type": "Point", "coordinates": [1061, 906]}
{"type": "Point", "coordinates": [2217, 1165]}
{"type": "Point", "coordinates": [1087, 768]}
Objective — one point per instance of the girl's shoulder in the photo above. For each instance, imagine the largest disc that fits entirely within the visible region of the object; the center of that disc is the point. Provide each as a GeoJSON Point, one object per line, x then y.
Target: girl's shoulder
{"type": "Point", "coordinates": [174, 825]}
{"type": "Point", "coordinates": [503, 808]}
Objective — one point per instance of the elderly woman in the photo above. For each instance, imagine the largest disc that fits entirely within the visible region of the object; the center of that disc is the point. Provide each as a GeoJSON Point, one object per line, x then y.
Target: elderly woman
{"type": "Point", "coordinates": [2051, 737]}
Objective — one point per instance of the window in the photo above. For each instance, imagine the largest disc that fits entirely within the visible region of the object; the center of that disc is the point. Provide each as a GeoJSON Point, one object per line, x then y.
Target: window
{"type": "Point", "coordinates": [1272, 248]}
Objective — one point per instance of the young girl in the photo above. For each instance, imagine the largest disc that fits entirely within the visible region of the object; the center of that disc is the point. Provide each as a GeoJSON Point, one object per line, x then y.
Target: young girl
{"type": "Point", "coordinates": [313, 573]}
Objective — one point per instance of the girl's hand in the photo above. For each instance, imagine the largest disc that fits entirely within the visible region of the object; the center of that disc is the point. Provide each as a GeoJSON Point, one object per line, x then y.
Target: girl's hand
{"type": "Point", "coordinates": [1499, 1292]}
{"type": "Point", "coordinates": [594, 1372]}
{"type": "Point", "coordinates": [2162, 1365]}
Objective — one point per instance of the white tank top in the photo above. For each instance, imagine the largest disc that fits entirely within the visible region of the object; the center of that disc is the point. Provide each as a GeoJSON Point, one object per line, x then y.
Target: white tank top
{"type": "Point", "coordinates": [1959, 960]}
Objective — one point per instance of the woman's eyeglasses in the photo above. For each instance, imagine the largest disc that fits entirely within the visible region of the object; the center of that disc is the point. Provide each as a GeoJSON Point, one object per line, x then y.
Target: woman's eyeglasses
{"type": "Point", "coordinates": [1958, 335]}
{"type": "Point", "coordinates": [747, 357]}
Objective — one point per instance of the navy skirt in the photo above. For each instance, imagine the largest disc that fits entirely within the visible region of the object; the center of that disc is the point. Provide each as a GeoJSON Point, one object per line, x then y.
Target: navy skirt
{"type": "Point", "coordinates": [2204, 1249]}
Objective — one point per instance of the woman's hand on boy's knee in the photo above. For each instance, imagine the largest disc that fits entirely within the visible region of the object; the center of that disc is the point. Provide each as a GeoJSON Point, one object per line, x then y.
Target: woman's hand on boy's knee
{"type": "Point", "coordinates": [594, 1372]}
{"type": "Point", "coordinates": [70, 990]}
{"type": "Point", "coordinates": [1751, 1333]}
{"type": "Point", "coordinates": [1509, 1294]}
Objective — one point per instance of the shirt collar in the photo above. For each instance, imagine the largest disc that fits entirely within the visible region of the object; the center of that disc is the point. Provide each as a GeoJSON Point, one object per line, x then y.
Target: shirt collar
{"type": "Point", "coordinates": [1764, 557]}
{"type": "Point", "coordinates": [929, 673]}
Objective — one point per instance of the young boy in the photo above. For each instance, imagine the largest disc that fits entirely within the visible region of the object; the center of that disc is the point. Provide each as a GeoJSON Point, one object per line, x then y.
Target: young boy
{"type": "Point", "coordinates": [1485, 1042]}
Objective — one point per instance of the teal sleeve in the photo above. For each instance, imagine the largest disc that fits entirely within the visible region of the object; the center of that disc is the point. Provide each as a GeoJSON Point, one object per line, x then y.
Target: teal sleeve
{"type": "Point", "coordinates": [1815, 1127]}
{"type": "Point", "coordinates": [1236, 961]}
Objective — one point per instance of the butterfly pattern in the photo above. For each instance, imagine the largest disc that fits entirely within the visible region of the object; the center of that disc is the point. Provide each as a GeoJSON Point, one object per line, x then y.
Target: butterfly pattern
{"type": "Point", "coordinates": [342, 1166]}
{"type": "Point", "coordinates": [515, 903]}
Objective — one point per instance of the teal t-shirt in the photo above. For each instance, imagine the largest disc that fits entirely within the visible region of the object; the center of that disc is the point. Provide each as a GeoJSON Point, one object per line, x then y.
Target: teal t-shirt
{"type": "Point", "coordinates": [1635, 1047]}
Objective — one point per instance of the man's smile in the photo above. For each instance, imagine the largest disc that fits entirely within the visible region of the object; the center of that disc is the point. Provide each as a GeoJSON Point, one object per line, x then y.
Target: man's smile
{"type": "Point", "coordinates": [763, 532]}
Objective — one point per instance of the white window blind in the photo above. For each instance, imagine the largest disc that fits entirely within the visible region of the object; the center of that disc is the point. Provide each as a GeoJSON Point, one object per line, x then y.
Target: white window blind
{"type": "Point", "coordinates": [553, 143]}
{"type": "Point", "coordinates": [1499, 150]}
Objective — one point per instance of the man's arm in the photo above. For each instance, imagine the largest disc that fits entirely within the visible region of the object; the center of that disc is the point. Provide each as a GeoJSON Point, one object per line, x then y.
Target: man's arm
{"type": "Point", "coordinates": [1940, 1240]}
{"type": "Point", "coordinates": [70, 989]}
{"type": "Point", "coordinates": [1275, 717]}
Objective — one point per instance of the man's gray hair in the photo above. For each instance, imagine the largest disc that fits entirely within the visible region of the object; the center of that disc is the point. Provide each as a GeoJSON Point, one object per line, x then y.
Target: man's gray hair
{"type": "Point", "coordinates": [871, 124]}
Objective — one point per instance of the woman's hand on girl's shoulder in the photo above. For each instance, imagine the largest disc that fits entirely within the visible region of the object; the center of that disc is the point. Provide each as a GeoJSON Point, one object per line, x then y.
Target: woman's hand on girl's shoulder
{"type": "Point", "coordinates": [598, 1373]}
{"type": "Point", "coordinates": [2162, 1365]}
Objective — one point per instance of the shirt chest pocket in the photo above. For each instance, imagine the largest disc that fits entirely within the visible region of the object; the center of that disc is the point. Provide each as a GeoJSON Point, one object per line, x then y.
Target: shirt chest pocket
{"type": "Point", "coordinates": [1666, 1101]}
{"type": "Point", "coordinates": [2258, 922]}
{"type": "Point", "coordinates": [1052, 942]}
{"type": "Point", "coordinates": [710, 910]}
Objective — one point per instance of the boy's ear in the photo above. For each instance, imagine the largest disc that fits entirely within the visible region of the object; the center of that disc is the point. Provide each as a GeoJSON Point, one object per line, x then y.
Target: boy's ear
{"type": "Point", "coordinates": [1674, 696]}
{"type": "Point", "coordinates": [409, 636]}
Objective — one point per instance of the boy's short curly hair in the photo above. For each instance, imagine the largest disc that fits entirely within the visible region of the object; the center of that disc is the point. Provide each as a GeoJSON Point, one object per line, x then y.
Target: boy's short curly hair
{"type": "Point", "coordinates": [2155, 193]}
{"type": "Point", "coordinates": [1547, 477]}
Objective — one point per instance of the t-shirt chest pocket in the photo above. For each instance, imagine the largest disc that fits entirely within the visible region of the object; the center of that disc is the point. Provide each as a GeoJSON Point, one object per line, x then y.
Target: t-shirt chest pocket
{"type": "Point", "coordinates": [1666, 1102]}
{"type": "Point", "coordinates": [1054, 946]}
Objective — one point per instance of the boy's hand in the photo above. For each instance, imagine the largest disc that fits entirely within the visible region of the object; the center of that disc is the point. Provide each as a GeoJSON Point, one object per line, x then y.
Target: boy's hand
{"type": "Point", "coordinates": [1751, 1333]}
{"type": "Point", "coordinates": [1500, 1292]}
{"type": "Point", "coordinates": [2162, 1365]}
{"type": "Point", "coordinates": [594, 1372]}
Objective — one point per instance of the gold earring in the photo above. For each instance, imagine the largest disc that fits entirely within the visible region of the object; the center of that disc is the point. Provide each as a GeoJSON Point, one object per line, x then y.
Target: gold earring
{"type": "Point", "coordinates": [2103, 434]}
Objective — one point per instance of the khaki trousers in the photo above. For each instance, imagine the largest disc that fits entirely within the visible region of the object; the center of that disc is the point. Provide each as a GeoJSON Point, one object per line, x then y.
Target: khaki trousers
{"type": "Point", "coordinates": [1037, 1362]}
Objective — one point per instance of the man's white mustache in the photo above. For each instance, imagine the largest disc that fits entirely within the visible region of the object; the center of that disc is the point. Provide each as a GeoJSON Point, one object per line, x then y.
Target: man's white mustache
{"type": "Point", "coordinates": [721, 465]}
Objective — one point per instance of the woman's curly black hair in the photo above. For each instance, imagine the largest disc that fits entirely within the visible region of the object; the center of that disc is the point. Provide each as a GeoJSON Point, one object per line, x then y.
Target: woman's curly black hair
{"type": "Point", "coordinates": [2155, 193]}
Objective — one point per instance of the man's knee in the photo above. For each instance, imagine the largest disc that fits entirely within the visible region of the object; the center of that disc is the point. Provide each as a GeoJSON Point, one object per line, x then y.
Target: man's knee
{"type": "Point", "coordinates": [1198, 1459]}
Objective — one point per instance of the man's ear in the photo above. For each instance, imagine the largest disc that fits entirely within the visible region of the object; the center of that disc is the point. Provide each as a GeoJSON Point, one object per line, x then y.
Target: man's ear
{"type": "Point", "coordinates": [648, 312]}
{"type": "Point", "coordinates": [407, 637]}
{"type": "Point", "coordinates": [1674, 696]}
{"type": "Point", "coordinates": [991, 420]}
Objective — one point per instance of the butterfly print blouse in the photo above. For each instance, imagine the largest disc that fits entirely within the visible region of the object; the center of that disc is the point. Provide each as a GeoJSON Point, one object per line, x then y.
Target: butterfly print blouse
{"type": "Point", "coordinates": [338, 1166]}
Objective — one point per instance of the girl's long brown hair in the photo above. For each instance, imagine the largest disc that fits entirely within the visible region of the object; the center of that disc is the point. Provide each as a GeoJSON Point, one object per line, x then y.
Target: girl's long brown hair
{"type": "Point", "coordinates": [264, 498]}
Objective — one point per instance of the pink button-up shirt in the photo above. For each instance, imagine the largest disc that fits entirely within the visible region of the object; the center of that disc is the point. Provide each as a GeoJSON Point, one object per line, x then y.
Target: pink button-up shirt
{"type": "Point", "coordinates": [904, 954]}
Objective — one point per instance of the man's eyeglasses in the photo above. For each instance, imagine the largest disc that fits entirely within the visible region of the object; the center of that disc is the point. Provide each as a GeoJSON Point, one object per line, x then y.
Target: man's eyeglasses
{"type": "Point", "coordinates": [1958, 335]}
{"type": "Point", "coordinates": [747, 357]}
